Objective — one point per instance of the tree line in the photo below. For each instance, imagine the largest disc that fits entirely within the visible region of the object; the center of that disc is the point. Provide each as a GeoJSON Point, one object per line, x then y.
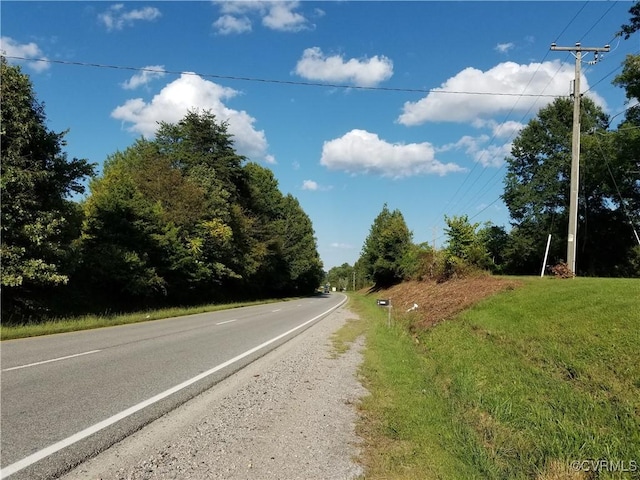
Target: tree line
{"type": "Point", "coordinates": [178, 220]}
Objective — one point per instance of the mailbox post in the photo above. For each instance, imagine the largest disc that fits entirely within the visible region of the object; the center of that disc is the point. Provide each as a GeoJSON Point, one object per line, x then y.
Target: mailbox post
{"type": "Point", "coordinates": [387, 304]}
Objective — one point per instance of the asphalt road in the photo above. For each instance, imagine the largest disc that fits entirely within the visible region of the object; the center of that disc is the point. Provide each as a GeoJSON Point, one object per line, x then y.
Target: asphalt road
{"type": "Point", "coordinates": [67, 397]}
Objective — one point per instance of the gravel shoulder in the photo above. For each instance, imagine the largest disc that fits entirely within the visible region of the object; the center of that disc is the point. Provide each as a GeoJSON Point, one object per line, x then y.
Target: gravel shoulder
{"type": "Point", "coordinates": [289, 415]}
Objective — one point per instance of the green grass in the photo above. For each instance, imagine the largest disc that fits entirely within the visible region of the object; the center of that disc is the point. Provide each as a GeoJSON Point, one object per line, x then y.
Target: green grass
{"type": "Point", "coordinates": [514, 388]}
{"type": "Point", "coordinates": [345, 336]}
{"type": "Point", "coordinates": [62, 325]}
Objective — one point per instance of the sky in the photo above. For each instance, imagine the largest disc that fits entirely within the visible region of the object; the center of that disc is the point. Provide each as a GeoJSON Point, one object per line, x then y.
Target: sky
{"type": "Point", "coordinates": [352, 105]}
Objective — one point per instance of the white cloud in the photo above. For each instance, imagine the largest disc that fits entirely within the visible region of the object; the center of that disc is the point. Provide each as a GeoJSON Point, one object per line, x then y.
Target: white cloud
{"type": "Point", "coordinates": [342, 246]}
{"type": "Point", "coordinates": [228, 24]}
{"type": "Point", "coordinates": [476, 147]}
{"type": "Point", "coordinates": [146, 75]}
{"type": "Point", "coordinates": [361, 152]}
{"type": "Point", "coordinates": [275, 15]}
{"type": "Point", "coordinates": [314, 186]}
{"type": "Point", "coordinates": [506, 130]}
{"type": "Point", "coordinates": [282, 17]}
{"type": "Point", "coordinates": [310, 185]}
{"type": "Point", "coordinates": [504, 47]}
{"type": "Point", "coordinates": [507, 80]}
{"type": "Point", "coordinates": [315, 65]}
{"type": "Point", "coordinates": [116, 17]}
{"type": "Point", "coordinates": [270, 159]}
{"type": "Point", "coordinates": [190, 92]}
{"type": "Point", "coordinates": [12, 48]}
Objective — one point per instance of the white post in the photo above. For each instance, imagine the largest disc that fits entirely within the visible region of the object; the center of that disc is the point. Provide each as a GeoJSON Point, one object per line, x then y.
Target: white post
{"type": "Point", "coordinates": [546, 252]}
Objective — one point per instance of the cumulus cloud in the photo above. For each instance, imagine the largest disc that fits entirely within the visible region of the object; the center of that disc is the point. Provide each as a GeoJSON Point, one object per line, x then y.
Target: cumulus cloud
{"type": "Point", "coordinates": [507, 129]}
{"type": "Point", "coordinates": [310, 185]}
{"type": "Point", "coordinates": [275, 15]}
{"type": "Point", "coordinates": [190, 92]}
{"type": "Point", "coordinates": [117, 17]}
{"type": "Point", "coordinates": [314, 186]}
{"type": "Point", "coordinates": [282, 17]}
{"type": "Point", "coordinates": [366, 72]}
{"type": "Point", "coordinates": [13, 48]}
{"type": "Point", "coordinates": [480, 149]}
{"type": "Point", "coordinates": [362, 152]}
{"type": "Point", "coordinates": [504, 47]}
{"type": "Point", "coordinates": [228, 24]}
{"type": "Point", "coordinates": [146, 75]}
{"type": "Point", "coordinates": [548, 78]}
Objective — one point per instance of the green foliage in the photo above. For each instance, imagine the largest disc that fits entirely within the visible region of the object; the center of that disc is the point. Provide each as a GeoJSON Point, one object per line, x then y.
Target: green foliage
{"type": "Point", "coordinates": [634, 23]}
{"type": "Point", "coordinates": [341, 277]}
{"type": "Point", "coordinates": [299, 247]}
{"type": "Point", "coordinates": [180, 219]}
{"type": "Point", "coordinates": [385, 248]}
{"type": "Point", "coordinates": [466, 249]}
{"type": "Point", "coordinates": [516, 387]}
{"type": "Point", "coordinates": [537, 191]}
{"type": "Point", "coordinates": [38, 221]}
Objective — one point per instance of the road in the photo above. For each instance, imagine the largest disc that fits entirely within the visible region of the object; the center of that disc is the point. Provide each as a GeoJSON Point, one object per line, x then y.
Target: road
{"type": "Point", "coordinates": [66, 397]}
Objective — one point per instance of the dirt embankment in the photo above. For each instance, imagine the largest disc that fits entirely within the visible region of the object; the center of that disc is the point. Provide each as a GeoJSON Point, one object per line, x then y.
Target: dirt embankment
{"type": "Point", "coordinates": [440, 301]}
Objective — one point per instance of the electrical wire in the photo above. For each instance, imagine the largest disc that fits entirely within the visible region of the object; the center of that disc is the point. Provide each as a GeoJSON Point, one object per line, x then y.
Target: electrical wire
{"type": "Point", "coordinates": [275, 81]}
{"type": "Point", "coordinates": [488, 184]}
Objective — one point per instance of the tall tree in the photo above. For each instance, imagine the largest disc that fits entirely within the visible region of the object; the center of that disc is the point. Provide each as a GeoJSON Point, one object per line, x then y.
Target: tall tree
{"type": "Point", "coordinates": [39, 221]}
{"type": "Point", "coordinates": [537, 191]}
{"type": "Point", "coordinates": [465, 243]}
{"type": "Point", "coordinates": [201, 147]}
{"type": "Point", "coordinates": [264, 205]}
{"type": "Point", "coordinates": [299, 248]}
{"type": "Point", "coordinates": [388, 242]}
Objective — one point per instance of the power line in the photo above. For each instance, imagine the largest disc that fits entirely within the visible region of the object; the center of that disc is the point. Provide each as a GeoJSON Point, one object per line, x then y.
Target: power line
{"type": "Point", "coordinates": [275, 81]}
{"type": "Point", "coordinates": [480, 192]}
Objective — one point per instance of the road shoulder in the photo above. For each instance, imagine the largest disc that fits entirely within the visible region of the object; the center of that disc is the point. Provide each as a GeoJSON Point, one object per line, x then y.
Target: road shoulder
{"type": "Point", "coordinates": [290, 414]}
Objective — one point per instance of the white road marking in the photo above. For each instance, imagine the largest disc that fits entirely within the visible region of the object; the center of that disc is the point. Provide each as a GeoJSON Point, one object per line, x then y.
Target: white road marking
{"type": "Point", "coordinates": [227, 321]}
{"type": "Point", "coordinates": [274, 311]}
{"type": "Point", "coordinates": [51, 449]}
{"type": "Point", "coordinates": [49, 361]}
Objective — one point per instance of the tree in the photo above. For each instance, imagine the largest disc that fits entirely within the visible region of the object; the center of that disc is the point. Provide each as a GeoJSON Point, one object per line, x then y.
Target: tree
{"type": "Point", "coordinates": [341, 277]}
{"type": "Point", "coordinates": [299, 248]}
{"type": "Point", "coordinates": [39, 221]}
{"type": "Point", "coordinates": [265, 206]}
{"type": "Point", "coordinates": [388, 242]}
{"type": "Point", "coordinates": [537, 191]}
{"type": "Point", "coordinates": [634, 24]}
{"type": "Point", "coordinates": [465, 246]}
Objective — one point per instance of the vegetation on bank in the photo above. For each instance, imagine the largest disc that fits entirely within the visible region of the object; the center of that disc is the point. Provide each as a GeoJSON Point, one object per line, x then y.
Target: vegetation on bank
{"type": "Point", "coordinates": [523, 385]}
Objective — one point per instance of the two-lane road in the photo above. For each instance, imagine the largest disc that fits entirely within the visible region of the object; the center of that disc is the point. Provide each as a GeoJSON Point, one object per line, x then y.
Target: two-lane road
{"type": "Point", "coordinates": [66, 397]}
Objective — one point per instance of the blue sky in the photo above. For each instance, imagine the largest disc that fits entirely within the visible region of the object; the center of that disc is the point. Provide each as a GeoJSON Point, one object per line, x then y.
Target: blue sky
{"type": "Point", "coordinates": [345, 103]}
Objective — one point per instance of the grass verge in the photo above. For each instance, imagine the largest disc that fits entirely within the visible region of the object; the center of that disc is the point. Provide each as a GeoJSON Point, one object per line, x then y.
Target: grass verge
{"type": "Point", "coordinates": [521, 386]}
{"type": "Point", "coordinates": [345, 336]}
{"type": "Point", "coordinates": [87, 322]}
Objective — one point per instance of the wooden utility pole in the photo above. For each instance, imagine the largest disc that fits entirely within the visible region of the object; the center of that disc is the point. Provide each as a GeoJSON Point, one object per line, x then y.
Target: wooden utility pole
{"type": "Point", "coordinates": [572, 237]}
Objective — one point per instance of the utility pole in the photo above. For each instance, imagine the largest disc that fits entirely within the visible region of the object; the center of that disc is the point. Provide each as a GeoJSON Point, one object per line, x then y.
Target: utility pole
{"type": "Point", "coordinates": [572, 237]}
